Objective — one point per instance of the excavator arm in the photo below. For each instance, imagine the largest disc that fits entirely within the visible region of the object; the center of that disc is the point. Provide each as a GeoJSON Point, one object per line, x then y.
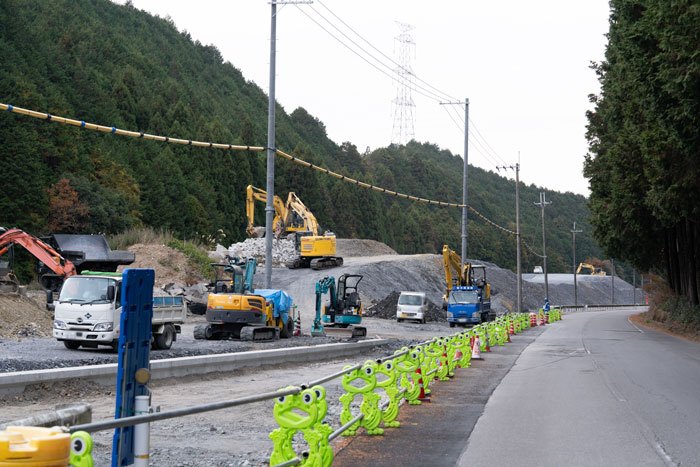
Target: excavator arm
{"type": "Point", "coordinates": [257, 194]}
{"type": "Point", "coordinates": [42, 251]}
{"type": "Point", "coordinates": [295, 208]}
{"type": "Point", "coordinates": [462, 272]}
{"type": "Point", "coordinates": [322, 287]}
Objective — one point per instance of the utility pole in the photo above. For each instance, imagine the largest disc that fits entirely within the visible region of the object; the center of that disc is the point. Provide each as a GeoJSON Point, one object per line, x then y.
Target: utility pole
{"type": "Point", "coordinates": [465, 174]}
{"type": "Point", "coordinates": [574, 232]}
{"type": "Point", "coordinates": [517, 231]}
{"type": "Point", "coordinates": [634, 286]}
{"type": "Point", "coordinates": [270, 185]}
{"type": "Point", "coordinates": [543, 202]}
{"type": "Point", "coordinates": [612, 282]}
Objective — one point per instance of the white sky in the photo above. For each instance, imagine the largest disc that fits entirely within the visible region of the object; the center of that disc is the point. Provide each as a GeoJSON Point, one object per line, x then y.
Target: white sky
{"type": "Point", "coordinates": [523, 65]}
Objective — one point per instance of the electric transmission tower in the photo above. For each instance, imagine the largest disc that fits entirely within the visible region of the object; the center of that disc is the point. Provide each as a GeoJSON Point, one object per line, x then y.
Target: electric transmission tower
{"type": "Point", "coordinates": [403, 104]}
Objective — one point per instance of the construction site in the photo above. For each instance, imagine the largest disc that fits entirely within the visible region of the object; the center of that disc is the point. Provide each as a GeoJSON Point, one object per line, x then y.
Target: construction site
{"type": "Point", "coordinates": [239, 436]}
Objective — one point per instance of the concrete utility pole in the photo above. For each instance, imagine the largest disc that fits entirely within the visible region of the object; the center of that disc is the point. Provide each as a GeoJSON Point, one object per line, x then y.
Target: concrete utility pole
{"type": "Point", "coordinates": [516, 167]}
{"type": "Point", "coordinates": [574, 232]}
{"type": "Point", "coordinates": [464, 181]}
{"type": "Point", "coordinates": [464, 175]}
{"type": "Point", "coordinates": [543, 202]}
{"type": "Point", "coordinates": [612, 282]}
{"type": "Point", "coordinates": [634, 286]}
{"type": "Point", "coordinates": [270, 186]}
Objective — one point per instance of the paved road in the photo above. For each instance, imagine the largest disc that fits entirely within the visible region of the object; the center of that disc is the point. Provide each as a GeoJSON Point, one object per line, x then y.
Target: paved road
{"type": "Point", "coordinates": [594, 390]}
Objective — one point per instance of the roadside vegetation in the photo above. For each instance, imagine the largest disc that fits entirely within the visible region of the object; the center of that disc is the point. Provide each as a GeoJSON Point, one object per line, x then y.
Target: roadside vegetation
{"type": "Point", "coordinates": [644, 146]}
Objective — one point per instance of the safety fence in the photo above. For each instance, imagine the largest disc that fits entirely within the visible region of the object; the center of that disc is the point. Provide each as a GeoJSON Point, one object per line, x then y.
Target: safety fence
{"type": "Point", "coordinates": [406, 377]}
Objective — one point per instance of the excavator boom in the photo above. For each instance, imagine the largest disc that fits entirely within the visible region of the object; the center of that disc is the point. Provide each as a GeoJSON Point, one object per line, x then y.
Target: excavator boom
{"type": "Point", "coordinates": [293, 216]}
{"type": "Point", "coordinates": [61, 267]}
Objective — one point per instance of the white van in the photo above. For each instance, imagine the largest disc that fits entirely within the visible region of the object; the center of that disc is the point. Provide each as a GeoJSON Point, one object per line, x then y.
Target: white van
{"type": "Point", "coordinates": [412, 305]}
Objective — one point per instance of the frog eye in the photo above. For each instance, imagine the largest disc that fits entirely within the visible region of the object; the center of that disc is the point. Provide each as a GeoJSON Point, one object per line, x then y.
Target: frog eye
{"type": "Point", "coordinates": [369, 371]}
{"type": "Point", "coordinates": [414, 355]}
{"type": "Point", "coordinates": [349, 373]}
{"type": "Point", "coordinates": [281, 399]}
{"type": "Point", "coordinates": [319, 394]}
{"type": "Point", "coordinates": [389, 366]}
{"type": "Point", "coordinates": [307, 398]}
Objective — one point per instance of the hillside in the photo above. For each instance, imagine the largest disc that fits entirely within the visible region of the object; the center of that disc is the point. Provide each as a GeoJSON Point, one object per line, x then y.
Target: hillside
{"type": "Point", "coordinates": [115, 65]}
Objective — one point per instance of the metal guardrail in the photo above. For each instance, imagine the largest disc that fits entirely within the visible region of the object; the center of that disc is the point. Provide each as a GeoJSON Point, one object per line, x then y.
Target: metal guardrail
{"type": "Point", "coordinates": [580, 308]}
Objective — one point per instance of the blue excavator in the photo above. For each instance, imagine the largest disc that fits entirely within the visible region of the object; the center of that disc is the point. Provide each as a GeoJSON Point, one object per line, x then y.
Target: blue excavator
{"type": "Point", "coordinates": [343, 313]}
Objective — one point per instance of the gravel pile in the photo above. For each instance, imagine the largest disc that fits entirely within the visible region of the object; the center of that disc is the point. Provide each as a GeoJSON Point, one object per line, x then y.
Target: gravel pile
{"type": "Point", "coordinates": [386, 309]}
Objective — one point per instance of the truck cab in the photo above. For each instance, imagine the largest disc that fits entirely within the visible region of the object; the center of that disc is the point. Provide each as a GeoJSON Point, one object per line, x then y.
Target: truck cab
{"type": "Point", "coordinates": [468, 305]}
{"type": "Point", "coordinates": [87, 313]}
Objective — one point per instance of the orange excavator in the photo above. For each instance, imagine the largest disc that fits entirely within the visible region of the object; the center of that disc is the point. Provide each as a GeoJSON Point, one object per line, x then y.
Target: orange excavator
{"type": "Point", "coordinates": [60, 256]}
{"type": "Point", "coordinates": [53, 260]}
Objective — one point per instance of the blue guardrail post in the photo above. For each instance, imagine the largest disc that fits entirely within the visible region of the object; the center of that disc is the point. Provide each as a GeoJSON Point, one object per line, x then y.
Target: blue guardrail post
{"type": "Point", "coordinates": [134, 347]}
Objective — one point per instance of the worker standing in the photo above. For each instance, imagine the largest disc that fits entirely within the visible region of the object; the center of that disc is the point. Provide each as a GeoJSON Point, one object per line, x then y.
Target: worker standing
{"type": "Point", "coordinates": [545, 308]}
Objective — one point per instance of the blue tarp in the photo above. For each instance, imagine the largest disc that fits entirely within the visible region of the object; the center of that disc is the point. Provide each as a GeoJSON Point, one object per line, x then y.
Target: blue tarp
{"type": "Point", "coordinates": [281, 299]}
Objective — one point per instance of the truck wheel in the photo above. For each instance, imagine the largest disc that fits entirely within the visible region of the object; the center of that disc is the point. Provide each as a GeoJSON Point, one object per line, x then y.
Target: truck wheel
{"type": "Point", "coordinates": [288, 329]}
{"type": "Point", "coordinates": [165, 340]}
{"type": "Point", "coordinates": [71, 345]}
{"type": "Point", "coordinates": [452, 324]}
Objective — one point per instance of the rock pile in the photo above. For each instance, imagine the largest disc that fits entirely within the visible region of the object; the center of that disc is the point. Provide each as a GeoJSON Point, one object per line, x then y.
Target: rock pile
{"type": "Point", "coordinates": [282, 250]}
{"type": "Point", "coordinates": [386, 309]}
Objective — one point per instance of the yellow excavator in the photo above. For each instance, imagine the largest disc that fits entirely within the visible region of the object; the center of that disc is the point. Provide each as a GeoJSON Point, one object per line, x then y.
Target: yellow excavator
{"type": "Point", "coordinates": [313, 250]}
{"type": "Point", "coordinates": [593, 270]}
{"type": "Point", "coordinates": [292, 216]}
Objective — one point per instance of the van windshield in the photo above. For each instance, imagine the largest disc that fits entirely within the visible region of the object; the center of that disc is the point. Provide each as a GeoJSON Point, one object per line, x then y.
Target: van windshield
{"type": "Point", "coordinates": [416, 300]}
{"type": "Point", "coordinates": [85, 289]}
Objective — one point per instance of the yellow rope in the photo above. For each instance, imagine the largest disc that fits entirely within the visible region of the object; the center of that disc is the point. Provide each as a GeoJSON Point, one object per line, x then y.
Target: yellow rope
{"type": "Point", "coordinates": [188, 142]}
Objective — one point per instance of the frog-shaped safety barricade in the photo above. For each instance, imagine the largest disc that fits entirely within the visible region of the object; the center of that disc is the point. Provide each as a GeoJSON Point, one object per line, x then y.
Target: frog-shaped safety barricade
{"type": "Point", "coordinates": [493, 335]}
{"type": "Point", "coordinates": [391, 411]}
{"type": "Point", "coordinates": [407, 365]}
{"type": "Point", "coordinates": [425, 366]}
{"type": "Point", "coordinates": [324, 430]}
{"type": "Point", "coordinates": [455, 351]}
{"type": "Point", "coordinates": [441, 359]}
{"type": "Point", "coordinates": [370, 401]}
{"type": "Point", "coordinates": [500, 335]}
{"type": "Point", "coordinates": [481, 332]}
{"type": "Point", "coordinates": [81, 449]}
{"type": "Point", "coordinates": [450, 352]}
{"type": "Point", "coordinates": [291, 421]}
{"type": "Point", "coordinates": [464, 346]}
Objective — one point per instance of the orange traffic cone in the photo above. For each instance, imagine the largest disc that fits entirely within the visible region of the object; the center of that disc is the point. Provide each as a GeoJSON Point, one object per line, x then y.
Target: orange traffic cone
{"type": "Point", "coordinates": [423, 397]}
{"type": "Point", "coordinates": [476, 349]}
{"type": "Point", "coordinates": [511, 331]}
{"type": "Point", "coordinates": [487, 349]}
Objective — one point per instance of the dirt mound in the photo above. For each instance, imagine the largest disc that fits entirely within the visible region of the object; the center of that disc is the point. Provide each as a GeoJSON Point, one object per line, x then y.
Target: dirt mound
{"type": "Point", "coordinates": [386, 309]}
{"type": "Point", "coordinates": [22, 316]}
{"type": "Point", "coordinates": [348, 247]}
{"type": "Point", "coordinates": [169, 264]}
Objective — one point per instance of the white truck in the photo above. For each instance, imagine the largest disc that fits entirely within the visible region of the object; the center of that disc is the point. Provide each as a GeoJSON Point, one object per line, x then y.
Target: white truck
{"type": "Point", "coordinates": [87, 313]}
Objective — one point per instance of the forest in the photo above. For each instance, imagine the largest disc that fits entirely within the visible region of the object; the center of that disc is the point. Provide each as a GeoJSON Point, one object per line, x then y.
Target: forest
{"type": "Point", "coordinates": [118, 66]}
{"type": "Point", "coordinates": [644, 142]}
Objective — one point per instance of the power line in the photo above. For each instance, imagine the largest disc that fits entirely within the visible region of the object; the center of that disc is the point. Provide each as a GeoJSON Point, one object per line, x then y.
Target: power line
{"type": "Point", "coordinates": [383, 54]}
{"type": "Point", "coordinates": [417, 88]}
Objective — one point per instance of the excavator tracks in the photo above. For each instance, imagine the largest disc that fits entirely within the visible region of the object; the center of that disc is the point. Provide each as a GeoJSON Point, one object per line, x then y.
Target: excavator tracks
{"type": "Point", "coordinates": [258, 333]}
{"type": "Point", "coordinates": [326, 262]}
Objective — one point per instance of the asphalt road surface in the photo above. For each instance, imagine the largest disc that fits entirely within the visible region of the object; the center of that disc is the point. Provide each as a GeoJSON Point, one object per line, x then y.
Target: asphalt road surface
{"type": "Point", "coordinates": [594, 390]}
